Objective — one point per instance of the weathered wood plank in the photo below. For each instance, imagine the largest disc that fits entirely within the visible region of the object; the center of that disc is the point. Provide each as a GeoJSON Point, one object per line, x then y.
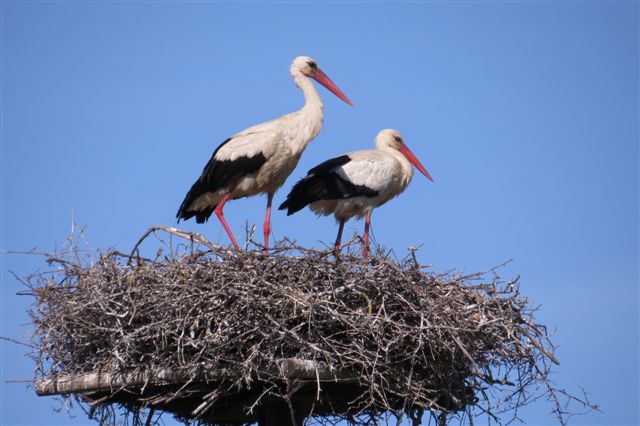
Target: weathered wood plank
{"type": "Point", "coordinates": [290, 368]}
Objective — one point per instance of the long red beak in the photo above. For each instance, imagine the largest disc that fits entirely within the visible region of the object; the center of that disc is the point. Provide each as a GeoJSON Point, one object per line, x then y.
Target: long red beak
{"type": "Point", "coordinates": [322, 78]}
{"type": "Point", "coordinates": [412, 158]}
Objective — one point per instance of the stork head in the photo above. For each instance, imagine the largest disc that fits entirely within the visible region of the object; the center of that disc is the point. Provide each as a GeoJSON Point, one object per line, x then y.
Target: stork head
{"type": "Point", "coordinates": [309, 68]}
{"type": "Point", "coordinates": [390, 138]}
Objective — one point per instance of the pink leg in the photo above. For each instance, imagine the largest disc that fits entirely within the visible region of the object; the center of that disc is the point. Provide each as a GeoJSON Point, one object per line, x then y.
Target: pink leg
{"type": "Point", "coordinates": [336, 249]}
{"type": "Point", "coordinates": [365, 238]}
{"type": "Point", "coordinates": [267, 223]}
{"type": "Point", "coordinates": [218, 211]}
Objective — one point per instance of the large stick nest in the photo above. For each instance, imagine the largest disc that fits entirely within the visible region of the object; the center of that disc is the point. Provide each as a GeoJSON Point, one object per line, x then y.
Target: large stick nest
{"type": "Point", "coordinates": [220, 335]}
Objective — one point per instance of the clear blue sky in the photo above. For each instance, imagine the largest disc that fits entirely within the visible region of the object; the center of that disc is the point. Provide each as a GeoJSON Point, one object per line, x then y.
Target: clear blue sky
{"type": "Point", "coordinates": [525, 113]}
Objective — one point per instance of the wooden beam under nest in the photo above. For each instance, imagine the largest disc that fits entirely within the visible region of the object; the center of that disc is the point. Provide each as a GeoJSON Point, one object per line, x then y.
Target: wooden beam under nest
{"type": "Point", "coordinates": [194, 395]}
{"type": "Point", "coordinates": [112, 381]}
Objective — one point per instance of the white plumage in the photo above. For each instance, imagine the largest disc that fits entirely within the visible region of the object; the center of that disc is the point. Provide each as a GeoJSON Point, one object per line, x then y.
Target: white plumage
{"type": "Point", "coordinates": [260, 158]}
{"type": "Point", "coordinates": [356, 183]}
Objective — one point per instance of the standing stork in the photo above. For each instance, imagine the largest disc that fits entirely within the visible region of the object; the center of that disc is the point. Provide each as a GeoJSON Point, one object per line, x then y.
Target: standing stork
{"type": "Point", "coordinates": [260, 158]}
{"type": "Point", "coordinates": [356, 183]}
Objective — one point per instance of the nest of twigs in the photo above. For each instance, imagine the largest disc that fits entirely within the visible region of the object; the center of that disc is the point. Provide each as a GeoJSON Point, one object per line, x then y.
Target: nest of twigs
{"type": "Point", "coordinates": [233, 336]}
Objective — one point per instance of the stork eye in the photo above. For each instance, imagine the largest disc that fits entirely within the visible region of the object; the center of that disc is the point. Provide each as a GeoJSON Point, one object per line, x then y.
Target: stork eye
{"type": "Point", "coordinates": [398, 139]}
{"type": "Point", "coordinates": [312, 65]}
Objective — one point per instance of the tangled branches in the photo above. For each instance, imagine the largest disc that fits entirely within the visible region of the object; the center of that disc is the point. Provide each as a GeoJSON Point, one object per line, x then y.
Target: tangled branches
{"type": "Point", "coordinates": [232, 336]}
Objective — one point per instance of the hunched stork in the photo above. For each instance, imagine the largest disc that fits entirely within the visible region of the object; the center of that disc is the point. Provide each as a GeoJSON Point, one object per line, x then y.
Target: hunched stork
{"type": "Point", "coordinates": [260, 158]}
{"type": "Point", "coordinates": [356, 183]}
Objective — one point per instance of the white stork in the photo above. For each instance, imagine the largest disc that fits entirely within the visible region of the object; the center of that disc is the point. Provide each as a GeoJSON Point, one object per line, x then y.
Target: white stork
{"type": "Point", "coordinates": [356, 183]}
{"type": "Point", "coordinates": [260, 158]}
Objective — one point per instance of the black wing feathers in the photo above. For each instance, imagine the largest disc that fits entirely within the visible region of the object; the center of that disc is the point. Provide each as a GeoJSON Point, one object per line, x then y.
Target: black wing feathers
{"type": "Point", "coordinates": [215, 175]}
{"type": "Point", "coordinates": [329, 165]}
{"type": "Point", "coordinates": [323, 183]}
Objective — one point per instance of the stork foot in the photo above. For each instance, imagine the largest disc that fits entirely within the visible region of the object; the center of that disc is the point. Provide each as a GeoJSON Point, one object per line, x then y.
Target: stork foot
{"type": "Point", "coordinates": [266, 239]}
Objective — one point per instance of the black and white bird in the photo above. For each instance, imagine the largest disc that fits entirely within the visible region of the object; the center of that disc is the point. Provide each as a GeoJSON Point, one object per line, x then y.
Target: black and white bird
{"type": "Point", "coordinates": [356, 183]}
{"type": "Point", "coordinates": [259, 159]}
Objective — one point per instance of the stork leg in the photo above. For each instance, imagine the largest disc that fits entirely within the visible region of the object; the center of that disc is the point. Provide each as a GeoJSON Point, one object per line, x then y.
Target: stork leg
{"type": "Point", "coordinates": [267, 223]}
{"type": "Point", "coordinates": [336, 249]}
{"type": "Point", "coordinates": [365, 237]}
{"type": "Point", "coordinates": [220, 215]}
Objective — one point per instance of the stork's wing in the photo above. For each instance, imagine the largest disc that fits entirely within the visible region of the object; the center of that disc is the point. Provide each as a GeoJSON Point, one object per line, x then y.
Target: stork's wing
{"type": "Point", "coordinates": [329, 165]}
{"type": "Point", "coordinates": [326, 181]}
{"type": "Point", "coordinates": [371, 169]}
{"type": "Point", "coordinates": [229, 162]}
{"type": "Point", "coordinates": [234, 158]}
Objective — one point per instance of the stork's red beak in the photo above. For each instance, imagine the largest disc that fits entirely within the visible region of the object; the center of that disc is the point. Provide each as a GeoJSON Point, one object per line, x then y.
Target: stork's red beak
{"type": "Point", "coordinates": [322, 78]}
{"type": "Point", "coordinates": [412, 158]}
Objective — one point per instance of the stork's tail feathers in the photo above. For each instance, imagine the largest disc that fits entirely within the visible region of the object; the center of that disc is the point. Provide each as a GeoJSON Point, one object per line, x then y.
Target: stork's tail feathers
{"type": "Point", "coordinates": [304, 192]}
{"type": "Point", "coordinates": [186, 210]}
{"type": "Point", "coordinates": [201, 216]}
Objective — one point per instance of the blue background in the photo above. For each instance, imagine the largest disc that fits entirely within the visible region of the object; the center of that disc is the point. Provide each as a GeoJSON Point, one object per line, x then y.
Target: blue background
{"type": "Point", "coordinates": [525, 113]}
